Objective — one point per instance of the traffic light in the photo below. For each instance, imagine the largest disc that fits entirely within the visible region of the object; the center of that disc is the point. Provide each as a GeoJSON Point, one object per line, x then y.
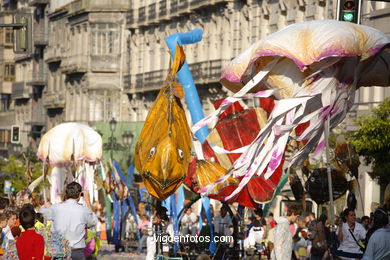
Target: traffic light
{"type": "Point", "coordinates": [23, 36]}
{"type": "Point", "coordinates": [15, 134]}
{"type": "Point", "coordinates": [349, 11]}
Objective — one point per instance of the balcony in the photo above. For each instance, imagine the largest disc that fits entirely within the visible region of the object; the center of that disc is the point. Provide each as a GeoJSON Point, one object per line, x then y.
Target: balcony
{"type": "Point", "coordinates": [163, 12]}
{"type": "Point", "coordinates": [152, 15]}
{"type": "Point", "coordinates": [38, 2]}
{"type": "Point", "coordinates": [40, 35]}
{"type": "Point", "coordinates": [148, 81]}
{"type": "Point", "coordinates": [173, 10]}
{"type": "Point", "coordinates": [75, 64]}
{"type": "Point", "coordinates": [105, 63]}
{"type": "Point", "coordinates": [195, 4]}
{"type": "Point", "coordinates": [153, 80]}
{"type": "Point", "coordinates": [54, 54]}
{"type": "Point", "coordinates": [78, 6]}
{"type": "Point", "coordinates": [207, 71]}
{"type": "Point", "coordinates": [130, 19]}
{"type": "Point", "coordinates": [39, 77]}
{"type": "Point", "coordinates": [127, 82]}
{"type": "Point", "coordinates": [38, 114]}
{"type": "Point", "coordinates": [183, 6]}
{"type": "Point", "coordinates": [20, 90]}
{"type": "Point", "coordinates": [53, 100]}
{"type": "Point", "coordinates": [142, 15]}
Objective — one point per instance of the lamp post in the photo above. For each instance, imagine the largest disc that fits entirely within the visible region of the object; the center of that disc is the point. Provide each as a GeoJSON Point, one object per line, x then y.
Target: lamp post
{"type": "Point", "coordinates": [128, 137]}
{"type": "Point", "coordinates": [17, 148]}
{"type": "Point", "coordinates": [112, 144]}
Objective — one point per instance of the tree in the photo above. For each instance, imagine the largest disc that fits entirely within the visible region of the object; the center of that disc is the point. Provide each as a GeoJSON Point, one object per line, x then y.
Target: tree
{"type": "Point", "coordinates": [372, 141]}
{"type": "Point", "coordinates": [17, 168]}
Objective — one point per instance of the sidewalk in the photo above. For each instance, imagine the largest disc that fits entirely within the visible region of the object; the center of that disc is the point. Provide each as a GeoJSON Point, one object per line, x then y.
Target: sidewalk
{"type": "Point", "coordinates": [108, 252]}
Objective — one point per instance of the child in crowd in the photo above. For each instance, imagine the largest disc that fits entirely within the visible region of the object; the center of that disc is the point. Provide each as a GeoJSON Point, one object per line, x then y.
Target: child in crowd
{"type": "Point", "coordinates": [3, 224]}
{"type": "Point", "coordinates": [11, 221]}
{"type": "Point", "coordinates": [30, 245]}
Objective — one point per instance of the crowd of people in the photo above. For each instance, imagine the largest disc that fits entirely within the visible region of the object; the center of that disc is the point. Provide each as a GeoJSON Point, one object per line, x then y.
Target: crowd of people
{"type": "Point", "coordinates": [69, 230]}
{"type": "Point", "coordinates": [296, 235]}
{"type": "Point", "coordinates": [64, 230]}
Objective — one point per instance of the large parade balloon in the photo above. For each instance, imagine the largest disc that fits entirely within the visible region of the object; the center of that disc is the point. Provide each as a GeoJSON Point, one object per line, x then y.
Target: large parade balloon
{"type": "Point", "coordinates": [163, 151]}
{"type": "Point", "coordinates": [70, 142]}
{"type": "Point", "coordinates": [70, 152]}
{"type": "Point", "coordinates": [313, 71]}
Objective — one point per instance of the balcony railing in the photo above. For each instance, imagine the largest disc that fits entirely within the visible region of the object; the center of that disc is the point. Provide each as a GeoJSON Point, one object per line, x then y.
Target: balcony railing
{"type": "Point", "coordinates": [53, 54]}
{"type": "Point", "coordinates": [40, 34]}
{"type": "Point", "coordinates": [108, 63]}
{"type": "Point", "coordinates": [53, 100]}
{"type": "Point", "coordinates": [38, 2]}
{"type": "Point", "coordinates": [152, 13]}
{"type": "Point", "coordinates": [139, 80]}
{"type": "Point", "coordinates": [173, 10]}
{"type": "Point", "coordinates": [75, 64]}
{"type": "Point", "coordinates": [163, 8]}
{"type": "Point", "coordinates": [142, 14]}
{"type": "Point", "coordinates": [147, 81]}
{"type": "Point", "coordinates": [130, 19]}
{"type": "Point", "coordinates": [20, 90]}
{"type": "Point", "coordinates": [183, 6]}
{"type": "Point", "coordinates": [207, 71]}
{"type": "Point", "coordinates": [38, 115]}
{"type": "Point", "coordinates": [39, 77]}
{"type": "Point", "coordinates": [200, 3]}
{"type": "Point", "coordinates": [153, 79]}
{"type": "Point", "coordinates": [127, 82]}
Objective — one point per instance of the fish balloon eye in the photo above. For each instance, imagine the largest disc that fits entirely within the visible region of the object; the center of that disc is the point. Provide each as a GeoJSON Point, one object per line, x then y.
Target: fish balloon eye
{"type": "Point", "coordinates": [181, 154]}
{"type": "Point", "coordinates": [152, 152]}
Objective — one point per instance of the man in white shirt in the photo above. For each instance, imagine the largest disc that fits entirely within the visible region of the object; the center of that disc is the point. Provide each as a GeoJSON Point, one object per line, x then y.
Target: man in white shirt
{"type": "Point", "coordinates": [188, 222]}
{"type": "Point", "coordinates": [71, 218]}
{"type": "Point", "coordinates": [223, 222]}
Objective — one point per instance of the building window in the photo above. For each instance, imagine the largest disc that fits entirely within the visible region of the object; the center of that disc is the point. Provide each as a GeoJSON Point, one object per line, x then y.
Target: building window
{"type": "Point", "coordinates": [101, 104]}
{"type": "Point", "coordinates": [105, 39]}
{"type": "Point", "coordinates": [8, 36]}
{"type": "Point", "coordinates": [5, 102]}
{"type": "Point", "coordinates": [9, 72]}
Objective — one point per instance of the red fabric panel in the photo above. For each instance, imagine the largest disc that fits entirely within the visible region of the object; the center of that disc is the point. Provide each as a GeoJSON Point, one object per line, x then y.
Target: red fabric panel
{"type": "Point", "coordinates": [238, 131]}
{"type": "Point", "coordinates": [235, 107]}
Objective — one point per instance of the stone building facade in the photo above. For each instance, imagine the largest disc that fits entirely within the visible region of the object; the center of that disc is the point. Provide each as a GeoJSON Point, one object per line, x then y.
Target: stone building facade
{"type": "Point", "coordinates": [86, 61]}
{"type": "Point", "coordinates": [7, 72]}
{"type": "Point", "coordinates": [229, 27]}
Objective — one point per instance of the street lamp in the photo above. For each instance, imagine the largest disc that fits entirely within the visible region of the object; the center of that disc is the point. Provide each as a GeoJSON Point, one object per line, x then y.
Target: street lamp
{"type": "Point", "coordinates": [128, 137]}
{"type": "Point", "coordinates": [17, 149]}
{"type": "Point", "coordinates": [112, 125]}
{"type": "Point", "coordinates": [112, 144]}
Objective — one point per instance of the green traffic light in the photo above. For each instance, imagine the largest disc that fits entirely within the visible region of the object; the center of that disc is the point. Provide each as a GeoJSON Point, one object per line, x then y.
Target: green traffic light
{"type": "Point", "coordinates": [348, 17]}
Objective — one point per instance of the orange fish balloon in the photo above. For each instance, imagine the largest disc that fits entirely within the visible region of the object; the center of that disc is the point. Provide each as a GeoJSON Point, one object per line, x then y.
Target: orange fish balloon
{"type": "Point", "coordinates": [163, 152]}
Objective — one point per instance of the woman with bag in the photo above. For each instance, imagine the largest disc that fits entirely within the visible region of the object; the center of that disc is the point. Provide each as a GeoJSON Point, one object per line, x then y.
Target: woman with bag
{"type": "Point", "coordinates": [351, 234]}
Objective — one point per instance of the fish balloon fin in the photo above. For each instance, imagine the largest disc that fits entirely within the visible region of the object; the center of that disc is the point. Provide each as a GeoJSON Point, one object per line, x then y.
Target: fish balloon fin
{"type": "Point", "coordinates": [178, 60]}
{"type": "Point", "coordinates": [178, 91]}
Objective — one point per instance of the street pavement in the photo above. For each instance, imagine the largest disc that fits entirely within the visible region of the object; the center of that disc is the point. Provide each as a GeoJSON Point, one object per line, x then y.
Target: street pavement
{"type": "Point", "coordinates": [108, 252]}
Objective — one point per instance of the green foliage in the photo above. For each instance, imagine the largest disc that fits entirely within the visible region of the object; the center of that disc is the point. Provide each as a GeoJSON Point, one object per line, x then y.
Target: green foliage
{"type": "Point", "coordinates": [17, 168]}
{"type": "Point", "coordinates": [372, 141]}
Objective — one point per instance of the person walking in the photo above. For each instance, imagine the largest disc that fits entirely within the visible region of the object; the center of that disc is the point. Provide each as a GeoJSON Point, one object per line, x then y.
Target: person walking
{"type": "Point", "coordinates": [71, 219]}
{"type": "Point", "coordinates": [378, 247]}
{"type": "Point", "coordinates": [283, 242]}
